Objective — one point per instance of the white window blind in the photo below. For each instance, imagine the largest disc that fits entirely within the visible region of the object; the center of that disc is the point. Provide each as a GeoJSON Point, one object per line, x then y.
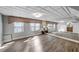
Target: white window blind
{"type": "Point", "coordinates": [18, 27]}
{"type": "Point", "coordinates": [35, 26]}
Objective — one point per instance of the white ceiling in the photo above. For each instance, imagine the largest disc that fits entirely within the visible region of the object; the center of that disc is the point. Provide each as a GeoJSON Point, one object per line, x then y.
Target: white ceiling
{"type": "Point", "coordinates": [50, 13]}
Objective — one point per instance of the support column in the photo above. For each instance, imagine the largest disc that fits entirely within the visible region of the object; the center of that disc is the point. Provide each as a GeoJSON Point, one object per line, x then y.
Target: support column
{"type": "Point", "coordinates": [1, 30]}
{"type": "Point", "coordinates": [56, 29]}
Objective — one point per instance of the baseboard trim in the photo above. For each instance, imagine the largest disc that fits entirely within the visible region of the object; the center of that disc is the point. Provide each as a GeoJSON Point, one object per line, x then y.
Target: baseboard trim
{"type": "Point", "coordinates": [15, 39]}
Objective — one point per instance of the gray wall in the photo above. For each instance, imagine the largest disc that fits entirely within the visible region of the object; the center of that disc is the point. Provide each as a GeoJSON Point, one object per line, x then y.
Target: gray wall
{"type": "Point", "coordinates": [1, 33]}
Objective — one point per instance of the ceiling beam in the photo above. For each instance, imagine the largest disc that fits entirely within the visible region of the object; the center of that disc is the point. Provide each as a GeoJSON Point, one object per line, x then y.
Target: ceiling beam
{"type": "Point", "coordinates": [70, 11]}
{"type": "Point", "coordinates": [56, 11]}
{"type": "Point", "coordinates": [66, 11]}
{"type": "Point", "coordinates": [49, 11]}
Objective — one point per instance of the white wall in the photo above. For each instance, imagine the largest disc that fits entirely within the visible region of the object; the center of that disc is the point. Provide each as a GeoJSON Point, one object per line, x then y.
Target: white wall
{"type": "Point", "coordinates": [9, 29]}
{"type": "Point", "coordinates": [76, 27]}
{"type": "Point", "coordinates": [0, 29]}
{"type": "Point", "coordinates": [61, 27]}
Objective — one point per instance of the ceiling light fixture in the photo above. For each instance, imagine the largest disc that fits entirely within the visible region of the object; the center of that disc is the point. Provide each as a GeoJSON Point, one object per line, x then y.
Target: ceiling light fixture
{"type": "Point", "coordinates": [37, 14]}
{"type": "Point", "coordinates": [61, 21]}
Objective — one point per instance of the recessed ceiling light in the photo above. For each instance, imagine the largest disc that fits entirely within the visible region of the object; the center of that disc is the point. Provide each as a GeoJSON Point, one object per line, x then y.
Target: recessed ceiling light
{"type": "Point", "coordinates": [37, 14]}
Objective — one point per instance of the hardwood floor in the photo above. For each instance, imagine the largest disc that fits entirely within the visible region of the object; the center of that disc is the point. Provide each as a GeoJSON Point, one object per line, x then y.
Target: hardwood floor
{"type": "Point", "coordinates": [43, 43]}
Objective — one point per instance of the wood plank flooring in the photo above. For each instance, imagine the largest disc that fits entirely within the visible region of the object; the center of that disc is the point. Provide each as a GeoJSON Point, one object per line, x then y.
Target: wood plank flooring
{"type": "Point", "coordinates": [43, 43]}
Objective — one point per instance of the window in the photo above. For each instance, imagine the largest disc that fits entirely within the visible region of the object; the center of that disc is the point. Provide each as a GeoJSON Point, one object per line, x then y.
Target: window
{"type": "Point", "coordinates": [18, 27]}
{"type": "Point", "coordinates": [35, 26]}
{"type": "Point", "coordinates": [50, 26]}
{"type": "Point", "coordinates": [32, 26]}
